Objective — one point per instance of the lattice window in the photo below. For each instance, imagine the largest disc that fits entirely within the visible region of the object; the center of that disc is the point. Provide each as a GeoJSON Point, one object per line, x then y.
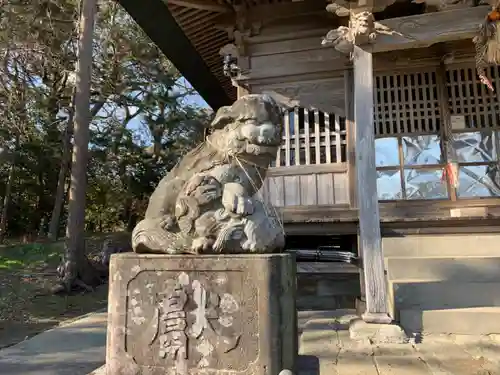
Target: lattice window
{"type": "Point", "coordinates": [475, 143]}
{"type": "Point", "coordinates": [312, 137]}
{"type": "Point", "coordinates": [407, 126]}
{"type": "Point", "coordinates": [406, 104]}
{"type": "Point", "coordinates": [472, 100]}
{"type": "Point", "coordinates": [410, 141]}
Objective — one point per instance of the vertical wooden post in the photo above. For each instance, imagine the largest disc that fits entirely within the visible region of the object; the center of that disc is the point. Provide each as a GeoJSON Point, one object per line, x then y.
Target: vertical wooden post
{"type": "Point", "coordinates": [369, 216]}
{"type": "Point", "coordinates": [351, 135]}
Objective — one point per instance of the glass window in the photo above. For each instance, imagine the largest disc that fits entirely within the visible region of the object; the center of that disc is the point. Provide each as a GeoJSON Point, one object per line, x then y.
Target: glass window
{"type": "Point", "coordinates": [389, 185]}
{"type": "Point", "coordinates": [422, 150]}
{"type": "Point", "coordinates": [386, 152]}
{"type": "Point", "coordinates": [425, 184]}
{"type": "Point", "coordinates": [474, 147]}
{"type": "Point", "coordinates": [478, 181]}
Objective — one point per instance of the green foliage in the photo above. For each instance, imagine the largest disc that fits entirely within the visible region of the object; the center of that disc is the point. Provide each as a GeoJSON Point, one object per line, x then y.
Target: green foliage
{"type": "Point", "coordinates": [27, 272]}
{"type": "Point", "coordinates": [141, 123]}
{"type": "Point", "coordinates": [30, 256]}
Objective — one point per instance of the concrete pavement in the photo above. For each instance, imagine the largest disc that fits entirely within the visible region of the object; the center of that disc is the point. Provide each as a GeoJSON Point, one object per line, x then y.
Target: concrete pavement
{"type": "Point", "coordinates": [326, 349]}
{"type": "Point", "coordinates": [78, 348]}
{"type": "Point", "coordinates": [75, 348]}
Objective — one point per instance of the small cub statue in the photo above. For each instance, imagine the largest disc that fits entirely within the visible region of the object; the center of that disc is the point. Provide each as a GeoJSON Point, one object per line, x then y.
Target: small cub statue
{"type": "Point", "coordinates": [207, 204]}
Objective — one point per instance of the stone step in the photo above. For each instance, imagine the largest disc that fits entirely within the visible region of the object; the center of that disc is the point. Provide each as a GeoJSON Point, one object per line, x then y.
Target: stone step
{"type": "Point", "coordinates": [466, 321]}
{"type": "Point", "coordinates": [432, 295]}
{"type": "Point", "coordinates": [460, 269]}
{"type": "Point", "coordinates": [442, 245]}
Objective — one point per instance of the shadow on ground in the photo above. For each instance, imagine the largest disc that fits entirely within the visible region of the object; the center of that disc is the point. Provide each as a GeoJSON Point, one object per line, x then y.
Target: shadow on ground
{"type": "Point", "coordinates": [27, 274]}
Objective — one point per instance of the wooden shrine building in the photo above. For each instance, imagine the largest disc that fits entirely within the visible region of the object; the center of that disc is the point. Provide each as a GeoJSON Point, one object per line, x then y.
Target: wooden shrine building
{"type": "Point", "coordinates": [392, 148]}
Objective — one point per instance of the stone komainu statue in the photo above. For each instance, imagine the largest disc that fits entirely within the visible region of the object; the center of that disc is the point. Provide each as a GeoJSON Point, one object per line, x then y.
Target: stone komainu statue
{"type": "Point", "coordinates": [206, 203]}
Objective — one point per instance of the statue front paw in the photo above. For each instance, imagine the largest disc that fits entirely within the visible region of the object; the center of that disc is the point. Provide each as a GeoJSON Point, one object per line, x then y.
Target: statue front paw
{"type": "Point", "coordinates": [249, 246]}
{"type": "Point", "coordinates": [202, 245]}
{"type": "Point", "coordinates": [244, 206]}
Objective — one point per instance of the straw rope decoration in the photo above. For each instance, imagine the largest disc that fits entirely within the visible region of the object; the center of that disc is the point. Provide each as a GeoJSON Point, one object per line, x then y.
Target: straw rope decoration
{"type": "Point", "coordinates": [241, 163]}
{"type": "Point", "coordinates": [487, 44]}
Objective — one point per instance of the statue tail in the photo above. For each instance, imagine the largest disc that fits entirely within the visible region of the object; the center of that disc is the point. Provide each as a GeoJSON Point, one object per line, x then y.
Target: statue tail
{"type": "Point", "coordinates": [149, 237]}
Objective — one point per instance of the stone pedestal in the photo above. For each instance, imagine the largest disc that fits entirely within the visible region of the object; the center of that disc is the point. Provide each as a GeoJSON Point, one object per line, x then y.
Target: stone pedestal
{"type": "Point", "coordinates": [228, 314]}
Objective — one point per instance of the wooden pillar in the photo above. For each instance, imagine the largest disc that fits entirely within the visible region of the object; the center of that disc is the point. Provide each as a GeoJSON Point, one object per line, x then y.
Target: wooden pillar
{"type": "Point", "coordinates": [369, 217]}
{"type": "Point", "coordinates": [351, 136]}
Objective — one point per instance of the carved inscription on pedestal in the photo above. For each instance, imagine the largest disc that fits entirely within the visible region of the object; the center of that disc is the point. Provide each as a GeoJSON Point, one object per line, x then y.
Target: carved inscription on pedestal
{"type": "Point", "coordinates": [191, 321]}
{"type": "Point", "coordinates": [172, 325]}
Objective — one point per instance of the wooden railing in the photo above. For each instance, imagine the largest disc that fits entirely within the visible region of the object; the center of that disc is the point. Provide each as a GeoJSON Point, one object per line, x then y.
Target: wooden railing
{"type": "Point", "coordinates": [311, 166]}
{"type": "Point", "coordinates": [312, 137]}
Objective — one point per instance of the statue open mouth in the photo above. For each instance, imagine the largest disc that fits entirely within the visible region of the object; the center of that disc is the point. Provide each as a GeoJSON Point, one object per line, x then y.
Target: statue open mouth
{"type": "Point", "coordinates": [267, 141]}
{"type": "Point", "coordinates": [261, 149]}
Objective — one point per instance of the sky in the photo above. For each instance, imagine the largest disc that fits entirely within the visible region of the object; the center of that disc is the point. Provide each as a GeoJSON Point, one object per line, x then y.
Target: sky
{"type": "Point", "coordinates": [195, 100]}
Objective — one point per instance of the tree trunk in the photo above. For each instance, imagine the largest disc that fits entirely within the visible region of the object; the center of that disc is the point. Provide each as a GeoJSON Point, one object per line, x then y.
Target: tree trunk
{"type": "Point", "coordinates": [8, 190]}
{"type": "Point", "coordinates": [61, 193]}
{"type": "Point", "coordinates": [76, 270]}
{"type": "Point", "coordinates": [6, 203]}
{"type": "Point", "coordinates": [61, 181]}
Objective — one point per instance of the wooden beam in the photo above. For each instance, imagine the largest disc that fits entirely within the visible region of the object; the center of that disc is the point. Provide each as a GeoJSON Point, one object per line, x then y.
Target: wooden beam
{"type": "Point", "coordinates": [369, 216]}
{"type": "Point", "coordinates": [270, 13]}
{"type": "Point", "coordinates": [300, 170]}
{"type": "Point", "coordinates": [426, 29]}
{"type": "Point", "coordinates": [343, 8]}
{"type": "Point", "coordinates": [326, 267]}
{"type": "Point", "coordinates": [208, 5]}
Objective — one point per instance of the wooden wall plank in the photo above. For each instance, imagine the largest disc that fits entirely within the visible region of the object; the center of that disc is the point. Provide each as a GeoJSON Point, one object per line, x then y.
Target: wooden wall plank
{"type": "Point", "coordinates": [288, 58]}
{"type": "Point", "coordinates": [308, 190]}
{"type": "Point", "coordinates": [298, 45]}
{"type": "Point", "coordinates": [325, 189]}
{"type": "Point", "coordinates": [291, 186]}
{"type": "Point", "coordinates": [326, 94]}
{"type": "Point", "coordinates": [341, 188]}
{"type": "Point", "coordinates": [276, 191]}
